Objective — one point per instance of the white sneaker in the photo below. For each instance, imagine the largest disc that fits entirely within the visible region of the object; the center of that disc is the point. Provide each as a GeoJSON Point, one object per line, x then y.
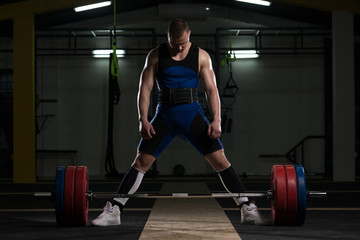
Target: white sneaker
{"type": "Point", "coordinates": [109, 217]}
{"type": "Point", "coordinates": [250, 215]}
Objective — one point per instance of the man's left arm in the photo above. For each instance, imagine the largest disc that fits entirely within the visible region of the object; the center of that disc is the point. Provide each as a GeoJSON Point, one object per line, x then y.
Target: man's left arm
{"type": "Point", "coordinates": [212, 95]}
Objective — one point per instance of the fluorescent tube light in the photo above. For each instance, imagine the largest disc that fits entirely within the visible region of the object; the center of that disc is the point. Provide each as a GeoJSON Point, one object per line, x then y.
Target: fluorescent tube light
{"type": "Point", "coordinates": [245, 54]}
{"type": "Point", "coordinates": [105, 53]}
{"type": "Point", "coordinates": [106, 56]}
{"type": "Point", "coordinates": [258, 2]}
{"type": "Point", "coordinates": [92, 6]}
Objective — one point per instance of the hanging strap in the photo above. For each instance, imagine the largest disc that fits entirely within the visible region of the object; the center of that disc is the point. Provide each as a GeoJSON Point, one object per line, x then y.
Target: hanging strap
{"type": "Point", "coordinates": [230, 89]}
{"type": "Point", "coordinates": [114, 64]}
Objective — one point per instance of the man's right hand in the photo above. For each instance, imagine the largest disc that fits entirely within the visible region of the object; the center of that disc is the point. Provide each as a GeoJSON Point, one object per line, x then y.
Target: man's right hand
{"type": "Point", "coordinates": [146, 130]}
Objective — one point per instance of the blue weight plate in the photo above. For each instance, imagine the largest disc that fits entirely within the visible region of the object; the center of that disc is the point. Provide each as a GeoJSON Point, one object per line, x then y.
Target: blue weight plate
{"type": "Point", "coordinates": [59, 195]}
{"type": "Point", "coordinates": [301, 214]}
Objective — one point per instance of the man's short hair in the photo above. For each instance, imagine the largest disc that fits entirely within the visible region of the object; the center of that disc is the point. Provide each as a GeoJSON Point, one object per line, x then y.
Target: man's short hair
{"type": "Point", "coordinates": [177, 28]}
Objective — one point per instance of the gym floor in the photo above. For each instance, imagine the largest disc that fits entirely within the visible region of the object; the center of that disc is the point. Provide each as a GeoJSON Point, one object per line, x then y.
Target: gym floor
{"type": "Point", "coordinates": [335, 217]}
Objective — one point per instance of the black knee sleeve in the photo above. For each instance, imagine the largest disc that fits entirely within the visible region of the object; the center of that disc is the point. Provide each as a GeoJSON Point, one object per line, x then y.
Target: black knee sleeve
{"type": "Point", "coordinates": [129, 185]}
{"type": "Point", "coordinates": [231, 180]}
{"type": "Point", "coordinates": [233, 184]}
{"type": "Point", "coordinates": [130, 179]}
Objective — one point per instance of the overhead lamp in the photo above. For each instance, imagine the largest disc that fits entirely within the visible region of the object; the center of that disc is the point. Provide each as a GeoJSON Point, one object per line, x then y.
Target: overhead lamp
{"type": "Point", "coordinates": [245, 54]}
{"type": "Point", "coordinates": [105, 53]}
{"type": "Point", "coordinates": [258, 2]}
{"type": "Point", "coordinates": [92, 6]}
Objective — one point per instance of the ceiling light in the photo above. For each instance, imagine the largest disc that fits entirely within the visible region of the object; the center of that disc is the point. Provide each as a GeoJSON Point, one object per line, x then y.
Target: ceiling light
{"type": "Point", "coordinates": [92, 6]}
{"type": "Point", "coordinates": [105, 53]}
{"type": "Point", "coordinates": [245, 53]}
{"type": "Point", "coordinates": [259, 2]}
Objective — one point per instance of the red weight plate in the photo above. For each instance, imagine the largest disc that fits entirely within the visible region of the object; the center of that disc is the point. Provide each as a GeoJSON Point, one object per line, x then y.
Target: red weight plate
{"type": "Point", "coordinates": [279, 196]}
{"type": "Point", "coordinates": [292, 196]}
{"type": "Point", "coordinates": [81, 200]}
{"type": "Point", "coordinates": [69, 189]}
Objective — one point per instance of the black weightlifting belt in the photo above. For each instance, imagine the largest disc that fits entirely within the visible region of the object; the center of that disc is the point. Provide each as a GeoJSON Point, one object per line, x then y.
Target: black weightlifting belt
{"type": "Point", "coordinates": [175, 96]}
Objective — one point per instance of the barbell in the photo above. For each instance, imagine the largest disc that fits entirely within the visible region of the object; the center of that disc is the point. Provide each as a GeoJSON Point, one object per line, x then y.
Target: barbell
{"type": "Point", "coordinates": [288, 195]}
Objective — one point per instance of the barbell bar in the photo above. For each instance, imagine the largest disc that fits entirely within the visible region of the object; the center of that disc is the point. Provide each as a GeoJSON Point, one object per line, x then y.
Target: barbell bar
{"type": "Point", "coordinates": [176, 195]}
{"type": "Point", "coordinates": [268, 194]}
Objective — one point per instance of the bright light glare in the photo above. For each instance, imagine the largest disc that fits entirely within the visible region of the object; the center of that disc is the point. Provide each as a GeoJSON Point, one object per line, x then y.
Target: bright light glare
{"type": "Point", "coordinates": [105, 53]}
{"type": "Point", "coordinates": [245, 54]}
{"type": "Point", "coordinates": [259, 2]}
{"type": "Point", "coordinates": [107, 56]}
{"type": "Point", "coordinates": [92, 6]}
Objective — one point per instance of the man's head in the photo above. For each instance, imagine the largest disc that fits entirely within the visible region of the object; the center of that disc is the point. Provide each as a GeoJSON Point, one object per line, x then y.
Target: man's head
{"type": "Point", "coordinates": [178, 34]}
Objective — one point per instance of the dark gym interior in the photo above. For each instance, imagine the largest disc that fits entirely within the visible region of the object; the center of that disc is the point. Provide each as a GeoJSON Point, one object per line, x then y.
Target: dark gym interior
{"type": "Point", "coordinates": [294, 101]}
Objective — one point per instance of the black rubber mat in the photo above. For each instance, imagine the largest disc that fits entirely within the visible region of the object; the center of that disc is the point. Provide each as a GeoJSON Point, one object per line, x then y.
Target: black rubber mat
{"type": "Point", "coordinates": [321, 223]}
{"type": "Point", "coordinates": [20, 219]}
{"type": "Point", "coordinates": [335, 225]}
{"type": "Point", "coordinates": [42, 225]}
{"type": "Point", "coordinates": [323, 219]}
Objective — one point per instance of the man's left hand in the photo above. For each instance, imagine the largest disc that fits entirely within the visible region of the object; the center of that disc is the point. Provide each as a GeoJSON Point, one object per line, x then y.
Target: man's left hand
{"type": "Point", "coordinates": [214, 129]}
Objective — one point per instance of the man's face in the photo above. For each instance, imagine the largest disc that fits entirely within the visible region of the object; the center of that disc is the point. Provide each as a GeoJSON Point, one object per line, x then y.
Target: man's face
{"type": "Point", "coordinates": [179, 44]}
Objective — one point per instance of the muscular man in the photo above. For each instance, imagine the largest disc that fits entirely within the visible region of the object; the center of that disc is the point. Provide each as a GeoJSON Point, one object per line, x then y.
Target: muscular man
{"type": "Point", "coordinates": [177, 66]}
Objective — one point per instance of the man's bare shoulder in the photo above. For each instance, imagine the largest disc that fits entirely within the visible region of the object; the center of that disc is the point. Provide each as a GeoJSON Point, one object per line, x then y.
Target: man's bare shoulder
{"type": "Point", "coordinates": [153, 54]}
{"type": "Point", "coordinates": [152, 58]}
{"type": "Point", "coordinates": [203, 52]}
{"type": "Point", "coordinates": [204, 57]}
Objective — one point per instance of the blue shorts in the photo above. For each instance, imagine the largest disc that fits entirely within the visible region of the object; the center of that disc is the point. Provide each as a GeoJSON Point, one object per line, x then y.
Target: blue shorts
{"type": "Point", "coordinates": [187, 120]}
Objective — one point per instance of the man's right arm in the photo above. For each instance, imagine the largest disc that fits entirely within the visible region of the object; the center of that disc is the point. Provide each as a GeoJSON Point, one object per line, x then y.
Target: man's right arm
{"type": "Point", "coordinates": [145, 87]}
